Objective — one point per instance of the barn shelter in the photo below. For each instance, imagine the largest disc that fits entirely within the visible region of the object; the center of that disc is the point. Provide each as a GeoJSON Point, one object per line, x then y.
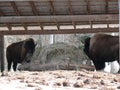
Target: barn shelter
{"type": "Point", "coordinates": [24, 17]}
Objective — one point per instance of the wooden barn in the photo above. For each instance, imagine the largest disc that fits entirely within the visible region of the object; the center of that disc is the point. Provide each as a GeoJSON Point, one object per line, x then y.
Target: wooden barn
{"type": "Point", "coordinates": [50, 16]}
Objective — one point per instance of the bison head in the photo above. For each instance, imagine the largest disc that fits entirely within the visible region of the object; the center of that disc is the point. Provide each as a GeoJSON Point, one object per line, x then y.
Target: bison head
{"type": "Point", "coordinates": [28, 49]}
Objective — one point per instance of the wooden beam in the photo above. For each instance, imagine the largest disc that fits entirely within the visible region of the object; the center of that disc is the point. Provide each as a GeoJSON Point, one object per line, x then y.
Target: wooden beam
{"type": "Point", "coordinates": [7, 24]}
{"type": "Point", "coordinates": [106, 6]}
{"type": "Point", "coordinates": [2, 53]}
{"type": "Point", "coordinates": [35, 12]}
{"type": "Point", "coordinates": [61, 31]}
{"type": "Point", "coordinates": [60, 24]}
{"type": "Point", "coordinates": [1, 13]}
{"type": "Point", "coordinates": [52, 10]}
{"type": "Point", "coordinates": [41, 26]}
{"type": "Point", "coordinates": [91, 26]}
{"type": "Point", "coordinates": [60, 18]}
{"type": "Point", "coordinates": [14, 6]}
{"type": "Point", "coordinates": [70, 7]}
{"type": "Point", "coordinates": [71, 12]}
{"type": "Point", "coordinates": [49, 0]}
{"type": "Point", "coordinates": [88, 6]}
{"type": "Point", "coordinates": [34, 9]}
{"type": "Point", "coordinates": [25, 26]}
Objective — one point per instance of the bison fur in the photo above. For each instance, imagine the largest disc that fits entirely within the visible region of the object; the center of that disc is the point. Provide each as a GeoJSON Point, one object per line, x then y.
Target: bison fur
{"type": "Point", "coordinates": [102, 48]}
{"type": "Point", "coordinates": [19, 52]}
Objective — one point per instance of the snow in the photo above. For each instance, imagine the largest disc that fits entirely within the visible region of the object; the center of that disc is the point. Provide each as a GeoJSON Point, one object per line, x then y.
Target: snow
{"type": "Point", "coordinates": [59, 80]}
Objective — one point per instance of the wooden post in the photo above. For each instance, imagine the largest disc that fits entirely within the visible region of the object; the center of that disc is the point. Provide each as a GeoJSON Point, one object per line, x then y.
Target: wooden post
{"type": "Point", "coordinates": [119, 31]}
{"type": "Point", "coordinates": [2, 53]}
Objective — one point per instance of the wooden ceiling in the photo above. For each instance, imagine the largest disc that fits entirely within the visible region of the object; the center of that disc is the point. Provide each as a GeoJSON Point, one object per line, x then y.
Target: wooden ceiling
{"type": "Point", "coordinates": [58, 16]}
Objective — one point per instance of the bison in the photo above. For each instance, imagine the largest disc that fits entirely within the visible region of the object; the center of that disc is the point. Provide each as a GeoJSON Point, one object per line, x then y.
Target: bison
{"type": "Point", "coordinates": [102, 48]}
{"type": "Point", "coordinates": [20, 52]}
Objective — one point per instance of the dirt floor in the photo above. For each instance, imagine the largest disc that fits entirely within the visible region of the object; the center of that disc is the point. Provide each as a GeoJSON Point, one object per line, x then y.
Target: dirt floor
{"type": "Point", "coordinates": [60, 80]}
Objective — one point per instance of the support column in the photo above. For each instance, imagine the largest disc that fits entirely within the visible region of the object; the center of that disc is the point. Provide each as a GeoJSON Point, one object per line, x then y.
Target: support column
{"type": "Point", "coordinates": [2, 53]}
{"type": "Point", "coordinates": [119, 33]}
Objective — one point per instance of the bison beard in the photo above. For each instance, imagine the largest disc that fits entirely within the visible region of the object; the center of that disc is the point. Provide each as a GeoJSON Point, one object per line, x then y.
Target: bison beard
{"type": "Point", "coordinates": [102, 48]}
{"type": "Point", "coordinates": [19, 52]}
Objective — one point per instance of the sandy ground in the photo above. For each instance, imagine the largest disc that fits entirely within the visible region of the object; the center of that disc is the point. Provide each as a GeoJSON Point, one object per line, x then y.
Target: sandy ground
{"type": "Point", "coordinates": [60, 80]}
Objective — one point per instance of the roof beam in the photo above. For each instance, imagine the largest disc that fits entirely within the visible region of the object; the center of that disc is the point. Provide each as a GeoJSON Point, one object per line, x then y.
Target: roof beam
{"type": "Point", "coordinates": [60, 18]}
{"type": "Point", "coordinates": [106, 6]}
{"type": "Point", "coordinates": [88, 11]}
{"type": "Point", "coordinates": [52, 10]}
{"type": "Point", "coordinates": [71, 12]}
{"type": "Point", "coordinates": [35, 12]}
{"type": "Point", "coordinates": [62, 31]}
{"type": "Point", "coordinates": [7, 24]}
{"type": "Point", "coordinates": [41, 26]}
{"type": "Point", "coordinates": [1, 13]}
{"type": "Point", "coordinates": [49, 0]}
{"type": "Point", "coordinates": [88, 6]}
{"type": "Point", "coordinates": [14, 6]}
{"type": "Point", "coordinates": [34, 9]}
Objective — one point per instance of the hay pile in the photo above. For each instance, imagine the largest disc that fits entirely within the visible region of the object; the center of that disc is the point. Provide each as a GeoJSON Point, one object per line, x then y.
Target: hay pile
{"type": "Point", "coordinates": [52, 56]}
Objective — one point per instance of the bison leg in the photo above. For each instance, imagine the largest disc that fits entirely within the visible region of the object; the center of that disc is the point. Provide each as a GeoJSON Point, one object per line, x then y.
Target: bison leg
{"type": "Point", "coordinates": [14, 66]}
{"type": "Point", "coordinates": [99, 65]}
{"type": "Point", "coordinates": [9, 64]}
{"type": "Point", "coordinates": [9, 61]}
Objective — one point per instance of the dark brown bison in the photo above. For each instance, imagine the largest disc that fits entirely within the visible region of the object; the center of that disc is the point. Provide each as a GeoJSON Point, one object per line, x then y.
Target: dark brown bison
{"type": "Point", "coordinates": [19, 52]}
{"type": "Point", "coordinates": [102, 48]}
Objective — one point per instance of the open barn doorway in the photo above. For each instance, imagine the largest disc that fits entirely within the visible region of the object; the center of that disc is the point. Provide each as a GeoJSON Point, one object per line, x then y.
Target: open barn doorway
{"type": "Point", "coordinates": [54, 51]}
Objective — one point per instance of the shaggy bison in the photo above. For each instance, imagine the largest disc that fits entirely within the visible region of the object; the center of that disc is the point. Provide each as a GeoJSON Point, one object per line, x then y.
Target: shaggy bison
{"type": "Point", "coordinates": [19, 52]}
{"type": "Point", "coordinates": [102, 48]}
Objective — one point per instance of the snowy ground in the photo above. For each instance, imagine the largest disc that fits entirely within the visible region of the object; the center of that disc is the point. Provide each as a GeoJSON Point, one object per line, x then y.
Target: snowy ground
{"type": "Point", "coordinates": [60, 80]}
